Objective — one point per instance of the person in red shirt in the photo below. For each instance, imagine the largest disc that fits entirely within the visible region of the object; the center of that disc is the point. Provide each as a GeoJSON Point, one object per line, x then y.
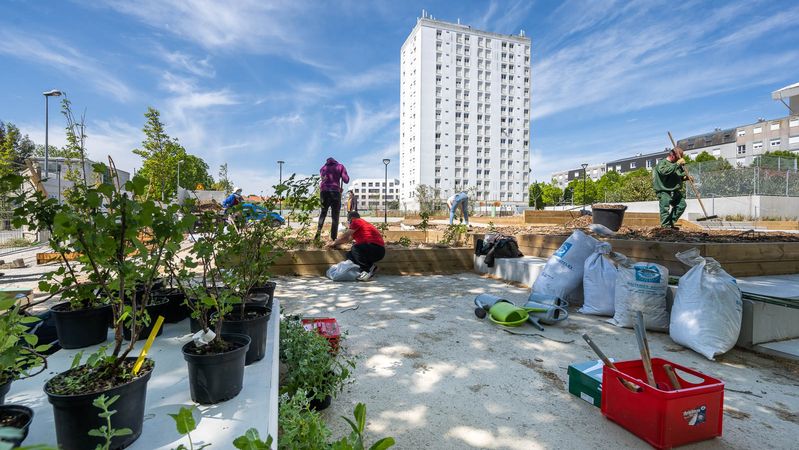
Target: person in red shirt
{"type": "Point", "coordinates": [368, 247]}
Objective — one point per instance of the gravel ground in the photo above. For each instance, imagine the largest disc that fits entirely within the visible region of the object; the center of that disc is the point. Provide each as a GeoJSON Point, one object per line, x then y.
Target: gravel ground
{"type": "Point", "coordinates": [434, 376]}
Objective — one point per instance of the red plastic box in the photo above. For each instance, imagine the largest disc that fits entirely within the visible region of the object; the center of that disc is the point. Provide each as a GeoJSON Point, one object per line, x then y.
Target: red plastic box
{"type": "Point", "coordinates": [664, 418]}
{"type": "Point", "coordinates": [326, 326]}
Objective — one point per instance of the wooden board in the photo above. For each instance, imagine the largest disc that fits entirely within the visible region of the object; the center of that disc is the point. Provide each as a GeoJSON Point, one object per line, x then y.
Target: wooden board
{"type": "Point", "coordinates": [49, 257]}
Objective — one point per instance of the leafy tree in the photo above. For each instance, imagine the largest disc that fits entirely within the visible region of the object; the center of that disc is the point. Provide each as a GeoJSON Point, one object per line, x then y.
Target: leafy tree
{"type": "Point", "coordinates": [576, 187]}
{"type": "Point", "coordinates": [429, 198]}
{"type": "Point", "coordinates": [160, 154]}
{"type": "Point", "coordinates": [536, 192]}
{"type": "Point", "coordinates": [778, 160]}
{"type": "Point", "coordinates": [704, 157]}
{"type": "Point", "coordinates": [551, 193]}
{"type": "Point", "coordinates": [224, 183]}
{"type": "Point", "coordinates": [636, 186]}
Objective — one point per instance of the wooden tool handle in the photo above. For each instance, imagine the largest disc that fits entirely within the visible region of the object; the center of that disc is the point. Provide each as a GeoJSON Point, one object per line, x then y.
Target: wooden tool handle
{"type": "Point", "coordinates": [675, 383]}
{"type": "Point", "coordinates": [608, 362]}
{"type": "Point", "coordinates": [690, 181]}
{"type": "Point", "coordinates": [640, 334]}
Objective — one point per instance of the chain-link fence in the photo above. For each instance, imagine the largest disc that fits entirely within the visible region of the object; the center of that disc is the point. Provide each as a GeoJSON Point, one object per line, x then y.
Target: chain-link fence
{"type": "Point", "coordinates": [11, 239]}
{"type": "Point", "coordinates": [774, 176]}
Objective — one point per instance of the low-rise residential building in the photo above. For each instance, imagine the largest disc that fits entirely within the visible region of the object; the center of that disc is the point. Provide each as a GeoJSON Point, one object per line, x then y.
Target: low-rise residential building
{"type": "Point", "coordinates": [593, 171]}
{"type": "Point", "coordinates": [372, 191]}
{"type": "Point", "coordinates": [639, 161]}
{"type": "Point", "coordinates": [57, 181]}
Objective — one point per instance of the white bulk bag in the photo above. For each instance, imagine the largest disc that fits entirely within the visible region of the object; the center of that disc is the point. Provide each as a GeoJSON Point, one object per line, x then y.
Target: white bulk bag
{"type": "Point", "coordinates": [640, 287]}
{"type": "Point", "coordinates": [599, 282]}
{"type": "Point", "coordinates": [344, 271]}
{"type": "Point", "coordinates": [707, 311]}
{"type": "Point", "coordinates": [563, 272]}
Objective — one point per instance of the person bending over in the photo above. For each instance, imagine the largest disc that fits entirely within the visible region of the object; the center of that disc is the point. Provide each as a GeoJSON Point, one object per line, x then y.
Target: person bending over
{"type": "Point", "coordinates": [368, 247]}
{"type": "Point", "coordinates": [458, 200]}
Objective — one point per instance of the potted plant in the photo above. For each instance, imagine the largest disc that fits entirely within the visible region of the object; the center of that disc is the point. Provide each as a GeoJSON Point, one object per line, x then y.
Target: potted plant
{"type": "Point", "coordinates": [215, 359]}
{"type": "Point", "coordinates": [122, 240]}
{"type": "Point", "coordinates": [310, 365]}
{"type": "Point", "coordinates": [20, 353]}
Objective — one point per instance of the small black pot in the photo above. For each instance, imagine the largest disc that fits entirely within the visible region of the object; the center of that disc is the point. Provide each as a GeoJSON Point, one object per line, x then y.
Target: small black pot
{"type": "Point", "coordinates": [175, 310]}
{"type": "Point", "coordinates": [320, 405]}
{"type": "Point", "coordinates": [23, 415]}
{"type": "Point", "coordinates": [263, 295]}
{"type": "Point", "coordinates": [255, 328]}
{"type": "Point", "coordinates": [154, 309]}
{"type": "Point", "coordinates": [216, 378]}
{"type": "Point", "coordinates": [83, 327]}
{"type": "Point", "coordinates": [75, 415]}
{"type": "Point", "coordinates": [4, 388]}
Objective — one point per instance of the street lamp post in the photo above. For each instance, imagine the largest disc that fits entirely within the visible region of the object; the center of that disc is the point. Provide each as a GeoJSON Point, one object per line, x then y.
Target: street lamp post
{"type": "Point", "coordinates": [177, 187]}
{"type": "Point", "coordinates": [385, 192]}
{"type": "Point", "coordinates": [584, 211]}
{"type": "Point", "coordinates": [280, 163]}
{"type": "Point", "coordinates": [47, 95]}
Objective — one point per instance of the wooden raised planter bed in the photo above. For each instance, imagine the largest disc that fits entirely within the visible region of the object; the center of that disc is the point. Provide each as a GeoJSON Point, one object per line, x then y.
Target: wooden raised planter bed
{"type": "Point", "coordinates": [405, 261]}
{"type": "Point", "coordinates": [743, 259]}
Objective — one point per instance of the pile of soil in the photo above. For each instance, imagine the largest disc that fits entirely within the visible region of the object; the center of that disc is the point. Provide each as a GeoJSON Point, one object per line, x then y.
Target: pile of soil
{"type": "Point", "coordinates": [67, 383]}
{"type": "Point", "coordinates": [608, 206]}
{"type": "Point", "coordinates": [12, 419]}
{"type": "Point", "coordinates": [216, 347]}
{"type": "Point", "coordinates": [715, 236]}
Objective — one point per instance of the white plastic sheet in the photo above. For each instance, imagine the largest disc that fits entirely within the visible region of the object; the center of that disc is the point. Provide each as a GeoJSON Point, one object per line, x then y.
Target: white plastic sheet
{"type": "Point", "coordinates": [707, 311]}
{"type": "Point", "coordinates": [344, 271]}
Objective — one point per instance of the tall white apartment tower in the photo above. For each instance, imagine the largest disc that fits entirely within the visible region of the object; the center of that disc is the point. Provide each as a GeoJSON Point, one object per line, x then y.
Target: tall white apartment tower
{"type": "Point", "coordinates": [464, 113]}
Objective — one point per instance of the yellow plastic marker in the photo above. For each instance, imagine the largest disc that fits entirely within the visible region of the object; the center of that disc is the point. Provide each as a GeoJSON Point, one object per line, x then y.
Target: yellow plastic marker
{"type": "Point", "coordinates": [140, 360]}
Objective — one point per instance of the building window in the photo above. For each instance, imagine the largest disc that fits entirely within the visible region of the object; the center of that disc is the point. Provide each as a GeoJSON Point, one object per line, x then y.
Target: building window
{"type": "Point", "coordinates": [794, 122]}
{"type": "Point", "coordinates": [741, 132]}
{"type": "Point", "coordinates": [775, 143]}
{"type": "Point", "coordinates": [757, 130]}
{"type": "Point", "coordinates": [648, 163]}
{"type": "Point", "coordinates": [757, 145]}
{"type": "Point", "coordinates": [775, 126]}
{"type": "Point", "coordinates": [741, 149]}
{"type": "Point", "coordinates": [793, 140]}
{"type": "Point", "coordinates": [633, 165]}
{"type": "Point", "coordinates": [618, 167]}
{"type": "Point", "coordinates": [717, 152]}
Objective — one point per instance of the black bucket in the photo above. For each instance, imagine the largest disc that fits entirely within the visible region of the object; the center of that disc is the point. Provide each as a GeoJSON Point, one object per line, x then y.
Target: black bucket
{"type": "Point", "coordinates": [216, 378]}
{"type": "Point", "coordinates": [75, 415]}
{"type": "Point", "coordinates": [609, 217]}
{"type": "Point", "coordinates": [154, 309]}
{"type": "Point", "coordinates": [83, 327]}
{"type": "Point", "coordinates": [254, 327]}
{"type": "Point", "coordinates": [17, 416]}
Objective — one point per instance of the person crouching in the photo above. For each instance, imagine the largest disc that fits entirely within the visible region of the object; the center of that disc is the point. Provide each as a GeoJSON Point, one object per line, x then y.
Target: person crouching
{"type": "Point", "coordinates": [368, 246]}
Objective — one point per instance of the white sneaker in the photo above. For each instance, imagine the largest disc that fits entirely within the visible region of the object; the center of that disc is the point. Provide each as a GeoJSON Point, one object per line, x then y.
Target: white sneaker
{"type": "Point", "coordinates": [364, 276]}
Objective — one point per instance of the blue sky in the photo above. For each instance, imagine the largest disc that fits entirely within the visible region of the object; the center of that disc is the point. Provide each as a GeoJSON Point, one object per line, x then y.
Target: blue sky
{"type": "Point", "coordinates": [301, 80]}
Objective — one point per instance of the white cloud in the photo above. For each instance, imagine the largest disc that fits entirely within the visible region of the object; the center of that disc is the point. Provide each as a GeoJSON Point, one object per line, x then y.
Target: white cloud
{"type": "Point", "coordinates": [55, 53]}
{"type": "Point", "coordinates": [182, 61]}
{"type": "Point", "coordinates": [363, 123]}
{"type": "Point", "coordinates": [504, 16]}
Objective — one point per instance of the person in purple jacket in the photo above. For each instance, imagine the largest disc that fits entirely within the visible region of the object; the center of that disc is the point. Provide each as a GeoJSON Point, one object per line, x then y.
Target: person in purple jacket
{"type": "Point", "coordinates": [332, 174]}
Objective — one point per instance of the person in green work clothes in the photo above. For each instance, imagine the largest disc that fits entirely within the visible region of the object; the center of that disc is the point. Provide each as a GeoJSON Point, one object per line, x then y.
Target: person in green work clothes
{"type": "Point", "coordinates": [667, 179]}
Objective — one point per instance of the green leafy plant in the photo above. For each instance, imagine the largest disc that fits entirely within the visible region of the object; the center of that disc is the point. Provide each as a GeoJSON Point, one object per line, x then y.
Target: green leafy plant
{"type": "Point", "coordinates": [107, 431]}
{"type": "Point", "coordinates": [383, 227]}
{"type": "Point", "coordinates": [19, 350]}
{"type": "Point", "coordinates": [404, 241]}
{"type": "Point", "coordinates": [453, 235]}
{"type": "Point", "coordinates": [355, 439]}
{"type": "Point", "coordinates": [299, 426]}
{"type": "Point", "coordinates": [492, 228]}
{"type": "Point", "coordinates": [250, 440]}
{"type": "Point", "coordinates": [310, 365]}
{"type": "Point", "coordinates": [185, 424]}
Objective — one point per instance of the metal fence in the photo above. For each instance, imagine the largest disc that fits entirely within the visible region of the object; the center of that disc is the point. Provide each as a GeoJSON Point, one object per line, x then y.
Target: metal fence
{"type": "Point", "coordinates": [774, 176]}
{"type": "Point", "coordinates": [11, 239]}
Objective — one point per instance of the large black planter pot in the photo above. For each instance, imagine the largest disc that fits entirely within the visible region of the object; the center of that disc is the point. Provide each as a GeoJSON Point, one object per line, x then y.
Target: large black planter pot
{"type": "Point", "coordinates": [4, 388]}
{"type": "Point", "coordinates": [154, 309]}
{"type": "Point", "coordinates": [81, 328]}
{"type": "Point", "coordinates": [16, 416]}
{"type": "Point", "coordinates": [75, 415]}
{"type": "Point", "coordinates": [216, 378]}
{"type": "Point", "coordinates": [253, 325]}
{"type": "Point", "coordinates": [320, 405]}
{"type": "Point", "coordinates": [175, 310]}
{"type": "Point", "coordinates": [263, 295]}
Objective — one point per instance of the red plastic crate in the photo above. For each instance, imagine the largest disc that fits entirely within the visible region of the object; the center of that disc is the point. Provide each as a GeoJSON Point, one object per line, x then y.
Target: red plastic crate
{"type": "Point", "coordinates": [663, 418]}
{"type": "Point", "coordinates": [326, 326]}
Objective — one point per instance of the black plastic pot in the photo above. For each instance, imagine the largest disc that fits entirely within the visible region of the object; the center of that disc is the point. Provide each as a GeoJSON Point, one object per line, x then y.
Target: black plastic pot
{"type": "Point", "coordinates": [75, 415]}
{"type": "Point", "coordinates": [194, 324]}
{"type": "Point", "coordinates": [154, 309]}
{"type": "Point", "coordinates": [254, 327]}
{"type": "Point", "coordinates": [320, 405]}
{"type": "Point", "coordinates": [609, 217]}
{"type": "Point", "coordinates": [4, 388]}
{"type": "Point", "coordinates": [175, 310]}
{"type": "Point", "coordinates": [263, 295]}
{"type": "Point", "coordinates": [81, 328]}
{"type": "Point", "coordinates": [219, 377]}
{"type": "Point", "coordinates": [17, 416]}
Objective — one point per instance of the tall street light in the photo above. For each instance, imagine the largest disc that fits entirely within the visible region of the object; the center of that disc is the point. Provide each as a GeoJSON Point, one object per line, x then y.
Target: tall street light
{"type": "Point", "coordinates": [47, 95]}
{"type": "Point", "coordinates": [280, 163]}
{"type": "Point", "coordinates": [177, 188]}
{"type": "Point", "coordinates": [585, 211]}
{"type": "Point", "coordinates": [385, 193]}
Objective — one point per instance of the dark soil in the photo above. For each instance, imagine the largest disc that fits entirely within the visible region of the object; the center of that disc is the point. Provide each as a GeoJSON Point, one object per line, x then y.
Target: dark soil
{"type": "Point", "coordinates": [214, 348]}
{"type": "Point", "coordinates": [607, 206]}
{"type": "Point", "coordinates": [13, 419]}
{"type": "Point", "coordinates": [87, 380]}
